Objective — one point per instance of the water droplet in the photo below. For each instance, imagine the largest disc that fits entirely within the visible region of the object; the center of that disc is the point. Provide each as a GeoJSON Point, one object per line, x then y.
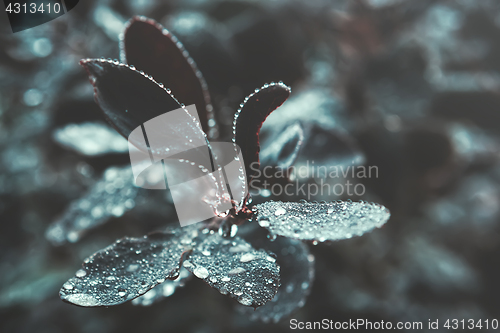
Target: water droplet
{"type": "Point", "coordinates": [237, 270]}
{"type": "Point", "coordinates": [132, 267]}
{"type": "Point", "coordinates": [234, 230]}
{"type": "Point", "coordinates": [246, 300]}
{"type": "Point", "coordinates": [280, 211]}
{"type": "Point", "coordinates": [271, 237]}
{"type": "Point", "coordinates": [33, 97]}
{"type": "Point", "coordinates": [82, 299]}
{"type": "Point", "coordinates": [264, 223]}
{"type": "Point", "coordinates": [68, 286]}
{"type": "Point", "coordinates": [201, 272]}
{"type": "Point", "coordinates": [81, 273]}
{"type": "Point", "coordinates": [247, 257]}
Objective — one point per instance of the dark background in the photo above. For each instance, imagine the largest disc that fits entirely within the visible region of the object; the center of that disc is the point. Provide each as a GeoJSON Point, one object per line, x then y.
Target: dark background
{"type": "Point", "coordinates": [410, 86]}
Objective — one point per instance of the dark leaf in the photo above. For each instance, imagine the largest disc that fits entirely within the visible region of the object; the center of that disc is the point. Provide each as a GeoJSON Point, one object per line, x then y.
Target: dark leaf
{"type": "Point", "coordinates": [233, 267]}
{"type": "Point", "coordinates": [129, 98]}
{"type": "Point", "coordinates": [284, 147]}
{"type": "Point", "coordinates": [112, 195]}
{"type": "Point", "coordinates": [153, 49]}
{"type": "Point", "coordinates": [321, 221]}
{"type": "Point", "coordinates": [296, 274]}
{"type": "Point", "coordinates": [163, 290]}
{"type": "Point", "coordinates": [249, 118]}
{"type": "Point", "coordinates": [128, 268]}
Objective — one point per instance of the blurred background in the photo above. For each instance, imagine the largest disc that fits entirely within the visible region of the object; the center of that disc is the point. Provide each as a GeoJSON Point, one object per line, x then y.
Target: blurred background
{"type": "Point", "coordinates": [408, 86]}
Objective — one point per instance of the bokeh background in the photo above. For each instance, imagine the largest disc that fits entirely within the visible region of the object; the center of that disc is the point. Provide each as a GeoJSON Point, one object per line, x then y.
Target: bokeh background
{"type": "Point", "coordinates": [408, 86]}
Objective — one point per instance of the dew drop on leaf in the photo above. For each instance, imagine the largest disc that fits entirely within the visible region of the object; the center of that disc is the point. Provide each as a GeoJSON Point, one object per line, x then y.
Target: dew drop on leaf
{"type": "Point", "coordinates": [321, 221]}
{"type": "Point", "coordinates": [118, 269]}
{"type": "Point", "coordinates": [229, 271]}
{"type": "Point", "coordinates": [201, 272]}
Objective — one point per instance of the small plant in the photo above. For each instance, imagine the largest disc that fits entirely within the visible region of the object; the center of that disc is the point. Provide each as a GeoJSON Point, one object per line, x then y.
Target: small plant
{"type": "Point", "coordinates": [242, 266]}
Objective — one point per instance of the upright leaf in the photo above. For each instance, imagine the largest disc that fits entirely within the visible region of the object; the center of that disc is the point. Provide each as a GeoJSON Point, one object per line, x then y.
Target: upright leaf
{"type": "Point", "coordinates": [153, 49]}
{"type": "Point", "coordinates": [249, 118]}
{"type": "Point", "coordinates": [130, 98]}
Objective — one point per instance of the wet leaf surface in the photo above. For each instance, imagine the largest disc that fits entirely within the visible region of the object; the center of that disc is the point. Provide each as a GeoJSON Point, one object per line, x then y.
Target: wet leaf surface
{"type": "Point", "coordinates": [91, 139]}
{"type": "Point", "coordinates": [321, 221]}
{"type": "Point", "coordinates": [235, 268]}
{"type": "Point", "coordinates": [164, 289]}
{"type": "Point", "coordinates": [128, 268]}
{"type": "Point", "coordinates": [250, 117]}
{"type": "Point", "coordinates": [153, 49]}
{"type": "Point", "coordinates": [112, 195]}
{"type": "Point", "coordinates": [284, 147]}
{"type": "Point", "coordinates": [296, 274]}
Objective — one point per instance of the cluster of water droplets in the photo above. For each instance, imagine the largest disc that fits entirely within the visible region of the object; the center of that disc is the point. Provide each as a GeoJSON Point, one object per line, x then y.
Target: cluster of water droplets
{"type": "Point", "coordinates": [235, 268]}
{"type": "Point", "coordinates": [164, 289]}
{"type": "Point", "coordinates": [112, 195]}
{"type": "Point", "coordinates": [128, 268]}
{"type": "Point", "coordinates": [320, 222]}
